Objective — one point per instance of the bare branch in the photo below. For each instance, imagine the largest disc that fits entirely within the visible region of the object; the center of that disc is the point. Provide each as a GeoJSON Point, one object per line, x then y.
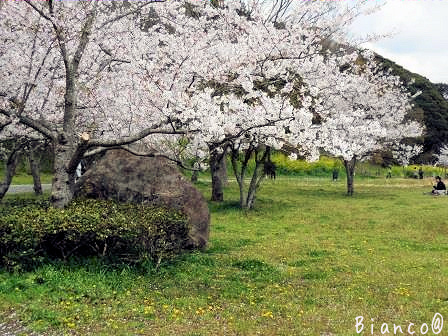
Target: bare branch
{"type": "Point", "coordinates": [32, 123]}
{"type": "Point", "coordinates": [40, 11]}
{"type": "Point", "coordinates": [84, 39]}
{"type": "Point", "coordinates": [57, 30]}
{"type": "Point", "coordinates": [50, 6]}
{"type": "Point", "coordinates": [140, 135]}
{"type": "Point", "coordinates": [136, 10]}
{"type": "Point", "coordinates": [246, 130]}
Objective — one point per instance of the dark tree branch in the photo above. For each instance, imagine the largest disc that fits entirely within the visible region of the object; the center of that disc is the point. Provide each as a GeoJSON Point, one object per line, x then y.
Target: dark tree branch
{"type": "Point", "coordinates": [50, 7]}
{"type": "Point", "coordinates": [84, 39]}
{"type": "Point", "coordinates": [130, 139]}
{"type": "Point", "coordinates": [32, 123]}
{"type": "Point", "coordinates": [40, 11]}
{"type": "Point", "coordinates": [59, 34]}
{"type": "Point", "coordinates": [136, 10]}
{"type": "Point", "coordinates": [230, 138]}
{"type": "Point", "coordinates": [3, 126]}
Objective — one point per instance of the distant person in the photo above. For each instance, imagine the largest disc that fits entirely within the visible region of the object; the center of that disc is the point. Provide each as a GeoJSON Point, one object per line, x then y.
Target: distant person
{"type": "Point", "coordinates": [269, 169]}
{"type": "Point", "coordinates": [78, 171]}
{"type": "Point", "coordinates": [439, 188]}
{"type": "Point", "coordinates": [415, 173]}
{"type": "Point", "coordinates": [335, 174]}
{"type": "Point", "coordinates": [389, 173]}
{"type": "Point", "coordinates": [420, 173]}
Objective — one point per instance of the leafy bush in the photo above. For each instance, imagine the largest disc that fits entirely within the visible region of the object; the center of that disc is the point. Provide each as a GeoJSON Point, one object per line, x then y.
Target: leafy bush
{"type": "Point", "coordinates": [32, 232]}
{"type": "Point", "coordinates": [428, 171]}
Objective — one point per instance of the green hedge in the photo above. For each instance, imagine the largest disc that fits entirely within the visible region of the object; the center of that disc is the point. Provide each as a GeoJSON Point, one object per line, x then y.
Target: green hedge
{"type": "Point", "coordinates": [325, 165]}
{"type": "Point", "coordinates": [32, 232]}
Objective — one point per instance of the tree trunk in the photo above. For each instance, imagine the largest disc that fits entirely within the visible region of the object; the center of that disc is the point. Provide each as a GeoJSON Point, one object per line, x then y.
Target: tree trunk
{"type": "Point", "coordinates": [253, 186]}
{"type": "Point", "coordinates": [223, 171]}
{"type": "Point", "coordinates": [216, 170]}
{"type": "Point", "coordinates": [10, 169]}
{"type": "Point", "coordinates": [239, 175]}
{"type": "Point", "coordinates": [350, 170]}
{"type": "Point", "coordinates": [62, 188]}
{"type": "Point", "coordinates": [34, 159]}
{"type": "Point", "coordinates": [247, 199]}
{"type": "Point", "coordinates": [262, 156]}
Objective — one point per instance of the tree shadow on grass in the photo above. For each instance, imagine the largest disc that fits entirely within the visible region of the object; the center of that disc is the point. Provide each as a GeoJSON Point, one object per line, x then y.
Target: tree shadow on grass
{"type": "Point", "coordinates": [262, 205]}
{"type": "Point", "coordinates": [328, 194]}
{"type": "Point", "coordinates": [225, 246]}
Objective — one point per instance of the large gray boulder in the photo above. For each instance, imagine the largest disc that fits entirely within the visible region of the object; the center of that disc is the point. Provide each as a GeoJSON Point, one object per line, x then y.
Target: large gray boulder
{"type": "Point", "coordinates": [121, 176]}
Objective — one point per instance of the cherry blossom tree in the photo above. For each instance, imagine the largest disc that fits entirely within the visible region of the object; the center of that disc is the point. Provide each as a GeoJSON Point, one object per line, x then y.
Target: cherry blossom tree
{"type": "Point", "coordinates": [364, 109]}
{"type": "Point", "coordinates": [92, 75]}
{"type": "Point", "coordinates": [243, 113]}
{"type": "Point", "coordinates": [68, 75]}
{"type": "Point", "coordinates": [227, 63]}
{"type": "Point", "coordinates": [96, 75]}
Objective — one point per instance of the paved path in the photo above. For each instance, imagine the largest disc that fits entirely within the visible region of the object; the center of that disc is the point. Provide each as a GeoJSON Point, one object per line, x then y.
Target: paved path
{"type": "Point", "coordinates": [9, 326]}
{"type": "Point", "coordinates": [10, 329]}
{"type": "Point", "coordinates": [14, 329]}
{"type": "Point", "coordinates": [23, 188]}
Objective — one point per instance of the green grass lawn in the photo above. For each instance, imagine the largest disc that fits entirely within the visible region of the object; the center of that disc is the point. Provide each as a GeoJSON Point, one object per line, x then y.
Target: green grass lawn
{"type": "Point", "coordinates": [28, 179]}
{"type": "Point", "coordinates": [307, 261]}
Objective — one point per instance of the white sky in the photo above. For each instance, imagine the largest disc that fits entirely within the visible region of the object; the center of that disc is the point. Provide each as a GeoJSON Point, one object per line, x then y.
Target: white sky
{"type": "Point", "coordinates": [419, 40]}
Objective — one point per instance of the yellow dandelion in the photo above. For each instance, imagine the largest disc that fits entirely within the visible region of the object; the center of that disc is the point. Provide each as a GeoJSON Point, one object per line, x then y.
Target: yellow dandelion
{"type": "Point", "coordinates": [267, 314]}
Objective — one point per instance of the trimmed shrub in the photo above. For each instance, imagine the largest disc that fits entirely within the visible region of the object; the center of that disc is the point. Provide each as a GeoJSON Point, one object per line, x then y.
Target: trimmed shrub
{"type": "Point", "coordinates": [32, 232]}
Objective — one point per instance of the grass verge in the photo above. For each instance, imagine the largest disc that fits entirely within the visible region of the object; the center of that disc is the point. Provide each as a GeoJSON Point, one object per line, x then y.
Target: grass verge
{"type": "Point", "coordinates": [307, 261]}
